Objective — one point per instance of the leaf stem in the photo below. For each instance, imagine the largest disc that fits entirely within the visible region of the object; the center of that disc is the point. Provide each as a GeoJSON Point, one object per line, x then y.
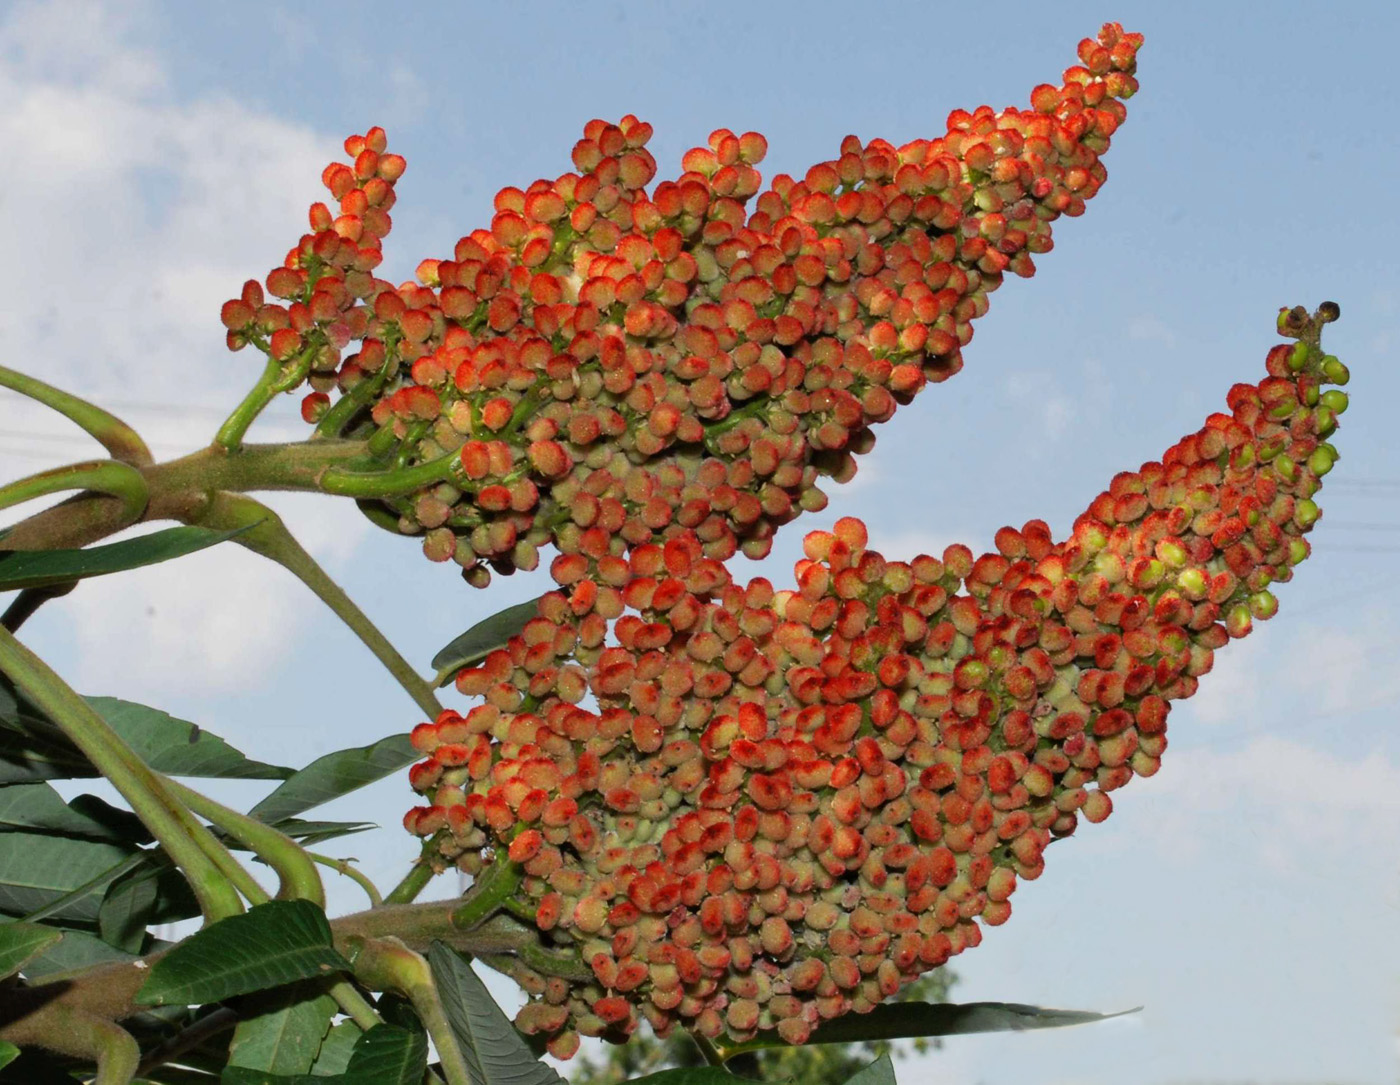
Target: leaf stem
{"type": "Point", "coordinates": [296, 873]}
{"type": "Point", "coordinates": [388, 964]}
{"type": "Point", "coordinates": [186, 841]}
{"type": "Point", "coordinates": [230, 434]}
{"type": "Point", "coordinates": [346, 868]}
{"type": "Point", "coordinates": [120, 440]}
{"type": "Point", "coordinates": [120, 480]}
{"type": "Point", "coordinates": [414, 882]}
{"type": "Point", "coordinates": [269, 537]}
{"type": "Point", "coordinates": [30, 600]}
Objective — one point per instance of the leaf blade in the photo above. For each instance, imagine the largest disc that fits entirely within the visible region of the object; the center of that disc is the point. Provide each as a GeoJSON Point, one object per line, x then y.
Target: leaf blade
{"type": "Point", "coordinates": [391, 1055]}
{"type": "Point", "coordinates": [285, 1037]}
{"type": "Point", "coordinates": [22, 942]}
{"type": "Point", "coordinates": [334, 775]}
{"type": "Point", "coordinates": [496, 1054]}
{"type": "Point", "coordinates": [482, 639]}
{"type": "Point", "coordinates": [272, 944]}
{"type": "Point", "coordinates": [44, 568]}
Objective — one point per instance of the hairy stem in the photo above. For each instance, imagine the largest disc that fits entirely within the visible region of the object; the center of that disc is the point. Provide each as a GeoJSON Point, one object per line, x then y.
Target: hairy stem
{"type": "Point", "coordinates": [120, 480]}
{"type": "Point", "coordinates": [230, 434]}
{"type": "Point", "coordinates": [269, 536]}
{"type": "Point", "coordinates": [296, 872]}
{"type": "Point", "coordinates": [186, 841]}
{"type": "Point", "coordinates": [30, 600]}
{"type": "Point", "coordinates": [388, 964]}
{"type": "Point", "coordinates": [346, 868]}
{"type": "Point", "coordinates": [120, 440]}
{"type": "Point", "coordinates": [418, 876]}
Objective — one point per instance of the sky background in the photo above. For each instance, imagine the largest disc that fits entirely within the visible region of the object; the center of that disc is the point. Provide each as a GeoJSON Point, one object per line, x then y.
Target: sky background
{"type": "Point", "coordinates": [1248, 896]}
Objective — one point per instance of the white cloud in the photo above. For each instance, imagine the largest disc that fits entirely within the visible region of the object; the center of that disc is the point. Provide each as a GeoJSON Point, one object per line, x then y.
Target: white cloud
{"type": "Point", "coordinates": [130, 217]}
{"type": "Point", "coordinates": [1151, 329]}
{"type": "Point", "coordinates": [1057, 410]}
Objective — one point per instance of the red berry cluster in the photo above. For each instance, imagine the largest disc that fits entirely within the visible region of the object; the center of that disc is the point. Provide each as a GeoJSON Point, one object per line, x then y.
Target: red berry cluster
{"type": "Point", "coordinates": [786, 804]}
{"type": "Point", "coordinates": [608, 366]}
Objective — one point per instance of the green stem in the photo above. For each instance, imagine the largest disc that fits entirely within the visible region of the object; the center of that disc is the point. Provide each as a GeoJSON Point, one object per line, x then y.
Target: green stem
{"type": "Point", "coordinates": [113, 477]}
{"type": "Point", "coordinates": [184, 840]}
{"type": "Point", "coordinates": [493, 886]}
{"type": "Point", "coordinates": [296, 873]}
{"type": "Point", "coordinates": [230, 434]}
{"type": "Point", "coordinates": [387, 964]}
{"type": "Point", "coordinates": [30, 600]}
{"type": "Point", "coordinates": [120, 440]}
{"type": "Point", "coordinates": [268, 536]}
{"type": "Point", "coordinates": [414, 882]}
{"type": "Point", "coordinates": [405, 480]}
{"type": "Point", "coordinates": [346, 868]}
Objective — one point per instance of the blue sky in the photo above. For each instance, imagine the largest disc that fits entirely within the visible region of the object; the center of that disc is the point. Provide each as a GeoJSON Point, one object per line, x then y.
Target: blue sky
{"type": "Point", "coordinates": [1249, 894]}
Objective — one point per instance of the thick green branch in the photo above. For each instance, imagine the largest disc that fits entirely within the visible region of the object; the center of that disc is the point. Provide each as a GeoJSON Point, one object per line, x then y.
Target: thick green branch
{"type": "Point", "coordinates": [183, 838]}
{"type": "Point", "coordinates": [120, 440]}
{"type": "Point", "coordinates": [269, 536]}
{"type": "Point", "coordinates": [120, 480]}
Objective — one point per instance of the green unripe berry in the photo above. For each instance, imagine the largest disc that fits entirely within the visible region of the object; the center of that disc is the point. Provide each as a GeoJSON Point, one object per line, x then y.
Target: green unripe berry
{"type": "Point", "coordinates": [1305, 513]}
{"type": "Point", "coordinates": [1297, 551]}
{"type": "Point", "coordinates": [1285, 468]}
{"type": "Point", "coordinates": [1299, 357]}
{"type": "Point", "coordinates": [1321, 461]}
{"type": "Point", "coordinates": [1324, 421]}
{"type": "Point", "coordinates": [1335, 399]}
{"type": "Point", "coordinates": [1334, 370]}
{"type": "Point", "coordinates": [1263, 604]}
{"type": "Point", "coordinates": [1193, 583]}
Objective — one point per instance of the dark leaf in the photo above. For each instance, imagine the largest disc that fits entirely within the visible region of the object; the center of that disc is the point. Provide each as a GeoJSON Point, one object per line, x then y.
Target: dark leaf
{"type": "Point", "coordinates": [690, 1075]}
{"type": "Point", "coordinates": [126, 910]}
{"type": "Point", "coordinates": [313, 832]}
{"type": "Point", "coordinates": [33, 748]}
{"type": "Point", "coordinates": [482, 639]}
{"type": "Point", "coordinates": [35, 870]}
{"type": "Point", "coordinates": [334, 775]}
{"type": "Point", "coordinates": [905, 1020]}
{"type": "Point", "coordinates": [77, 950]}
{"type": "Point", "coordinates": [272, 944]}
{"type": "Point", "coordinates": [20, 942]}
{"type": "Point", "coordinates": [39, 807]}
{"type": "Point", "coordinates": [41, 568]}
{"type": "Point", "coordinates": [879, 1072]}
{"type": "Point", "coordinates": [336, 1048]}
{"type": "Point", "coordinates": [391, 1055]}
{"type": "Point", "coordinates": [495, 1053]}
{"type": "Point", "coordinates": [284, 1033]}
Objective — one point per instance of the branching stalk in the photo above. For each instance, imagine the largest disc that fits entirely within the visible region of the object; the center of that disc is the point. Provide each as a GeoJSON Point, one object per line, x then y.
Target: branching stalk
{"type": "Point", "coordinates": [269, 536]}
{"type": "Point", "coordinates": [119, 480]}
{"type": "Point", "coordinates": [120, 440]}
{"type": "Point", "coordinates": [186, 841]}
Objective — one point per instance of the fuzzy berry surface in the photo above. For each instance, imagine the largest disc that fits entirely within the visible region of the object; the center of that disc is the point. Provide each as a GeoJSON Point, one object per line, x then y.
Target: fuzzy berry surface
{"type": "Point", "coordinates": [609, 365]}
{"type": "Point", "coordinates": [733, 808]}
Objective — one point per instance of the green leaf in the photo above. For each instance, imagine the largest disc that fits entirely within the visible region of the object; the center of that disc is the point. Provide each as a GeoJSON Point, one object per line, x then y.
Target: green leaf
{"type": "Point", "coordinates": [391, 1055]}
{"type": "Point", "coordinates": [33, 748]}
{"type": "Point", "coordinates": [126, 910]}
{"type": "Point", "coordinates": [905, 1020]}
{"type": "Point", "coordinates": [20, 942]}
{"type": "Point", "coordinates": [689, 1075]}
{"type": "Point", "coordinates": [313, 832]}
{"type": "Point", "coordinates": [8, 1053]}
{"type": "Point", "coordinates": [280, 942]}
{"type": "Point", "coordinates": [879, 1072]}
{"type": "Point", "coordinates": [334, 775]}
{"type": "Point", "coordinates": [35, 870]}
{"type": "Point", "coordinates": [284, 1037]}
{"type": "Point", "coordinates": [336, 1049]}
{"type": "Point", "coordinates": [39, 806]}
{"type": "Point", "coordinates": [77, 950]}
{"type": "Point", "coordinates": [41, 568]}
{"type": "Point", "coordinates": [482, 639]}
{"type": "Point", "coordinates": [495, 1053]}
{"type": "Point", "coordinates": [177, 747]}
